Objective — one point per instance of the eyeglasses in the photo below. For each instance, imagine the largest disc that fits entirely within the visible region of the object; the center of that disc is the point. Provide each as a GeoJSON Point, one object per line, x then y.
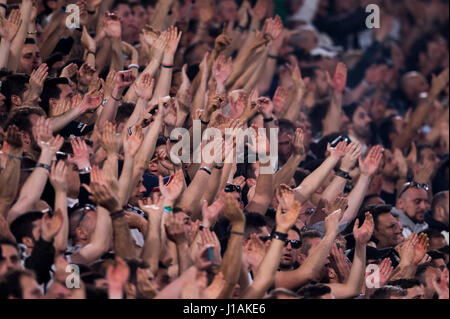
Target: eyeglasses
{"type": "Point", "coordinates": [415, 185]}
{"type": "Point", "coordinates": [232, 188]}
{"type": "Point", "coordinates": [295, 244]}
{"type": "Point", "coordinates": [84, 210]}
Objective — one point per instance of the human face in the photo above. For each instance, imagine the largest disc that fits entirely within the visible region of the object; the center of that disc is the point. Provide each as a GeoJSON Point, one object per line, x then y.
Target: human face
{"type": "Point", "coordinates": [429, 157]}
{"type": "Point", "coordinates": [416, 292]}
{"type": "Point", "coordinates": [289, 254]}
{"type": "Point", "coordinates": [431, 274]}
{"type": "Point", "coordinates": [360, 123]}
{"type": "Point", "coordinates": [30, 59]}
{"type": "Point", "coordinates": [183, 218]}
{"type": "Point", "coordinates": [130, 31]}
{"type": "Point", "coordinates": [30, 288]}
{"type": "Point", "coordinates": [388, 231]}
{"type": "Point", "coordinates": [73, 180]}
{"type": "Point", "coordinates": [414, 202]}
{"type": "Point", "coordinates": [58, 291]}
{"type": "Point", "coordinates": [10, 259]}
{"type": "Point", "coordinates": [284, 146]}
{"type": "Point", "coordinates": [321, 83]}
{"type": "Point", "coordinates": [140, 15]}
{"type": "Point", "coordinates": [390, 168]}
{"type": "Point", "coordinates": [138, 193]}
{"type": "Point", "coordinates": [439, 263]}
{"type": "Point", "coordinates": [228, 10]}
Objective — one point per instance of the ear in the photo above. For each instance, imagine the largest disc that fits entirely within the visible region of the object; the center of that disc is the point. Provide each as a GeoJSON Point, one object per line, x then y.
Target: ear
{"type": "Point", "coordinates": [399, 204]}
{"type": "Point", "coordinates": [301, 258]}
{"type": "Point", "coordinates": [16, 100]}
{"type": "Point", "coordinates": [27, 241]}
{"type": "Point", "coordinates": [80, 233]}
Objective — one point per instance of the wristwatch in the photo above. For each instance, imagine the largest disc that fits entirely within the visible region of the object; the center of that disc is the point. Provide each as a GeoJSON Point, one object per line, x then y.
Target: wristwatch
{"type": "Point", "coordinates": [85, 170]}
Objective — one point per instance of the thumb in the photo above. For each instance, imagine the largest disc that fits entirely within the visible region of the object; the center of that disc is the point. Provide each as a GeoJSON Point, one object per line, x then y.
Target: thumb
{"type": "Point", "coordinates": [356, 226]}
{"type": "Point", "coordinates": [204, 204]}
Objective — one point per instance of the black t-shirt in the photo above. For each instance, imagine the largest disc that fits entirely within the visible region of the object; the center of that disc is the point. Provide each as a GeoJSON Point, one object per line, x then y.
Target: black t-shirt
{"type": "Point", "coordinates": [389, 198]}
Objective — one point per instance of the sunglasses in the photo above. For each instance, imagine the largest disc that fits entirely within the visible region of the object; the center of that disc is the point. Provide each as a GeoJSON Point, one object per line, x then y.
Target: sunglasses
{"type": "Point", "coordinates": [295, 244]}
{"type": "Point", "coordinates": [415, 185]}
{"type": "Point", "coordinates": [232, 188]}
{"type": "Point", "coordinates": [84, 210]}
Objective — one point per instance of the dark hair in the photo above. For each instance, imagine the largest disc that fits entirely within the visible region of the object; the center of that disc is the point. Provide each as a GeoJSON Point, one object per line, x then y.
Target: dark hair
{"type": "Point", "coordinates": [51, 91]}
{"type": "Point", "coordinates": [22, 226]}
{"type": "Point", "coordinates": [124, 112]}
{"type": "Point", "coordinates": [318, 113]}
{"type": "Point", "coordinates": [15, 84]}
{"type": "Point", "coordinates": [252, 222]}
{"type": "Point", "coordinates": [305, 235]}
{"type": "Point", "coordinates": [134, 264]}
{"type": "Point", "coordinates": [386, 128]}
{"type": "Point", "coordinates": [286, 126]}
{"type": "Point", "coordinates": [387, 292]}
{"type": "Point", "coordinates": [6, 241]}
{"type": "Point", "coordinates": [116, 4]}
{"type": "Point", "coordinates": [310, 72]}
{"type": "Point", "coordinates": [313, 291]}
{"type": "Point", "coordinates": [21, 118]}
{"type": "Point", "coordinates": [439, 200]}
{"type": "Point", "coordinates": [376, 211]}
{"type": "Point", "coordinates": [421, 269]}
{"type": "Point", "coordinates": [405, 283]}
{"type": "Point", "coordinates": [30, 41]}
{"type": "Point", "coordinates": [434, 254]}
{"type": "Point", "coordinates": [419, 151]}
{"type": "Point", "coordinates": [10, 283]}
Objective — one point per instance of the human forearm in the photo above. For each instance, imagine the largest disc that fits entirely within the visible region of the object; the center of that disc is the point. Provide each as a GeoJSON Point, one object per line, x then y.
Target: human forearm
{"type": "Point", "coordinates": [123, 243]}
{"type": "Point", "coordinates": [116, 57]}
{"type": "Point", "coordinates": [10, 176]}
{"type": "Point", "coordinates": [61, 238]}
{"type": "Point", "coordinates": [152, 245]}
{"type": "Point", "coordinates": [285, 174]}
{"type": "Point", "coordinates": [174, 289]}
{"type": "Point", "coordinates": [125, 180]}
{"type": "Point", "coordinates": [19, 40]}
{"type": "Point", "coordinates": [4, 53]}
{"type": "Point", "coordinates": [356, 197]}
{"type": "Point", "coordinates": [47, 47]}
{"type": "Point", "coordinates": [263, 192]}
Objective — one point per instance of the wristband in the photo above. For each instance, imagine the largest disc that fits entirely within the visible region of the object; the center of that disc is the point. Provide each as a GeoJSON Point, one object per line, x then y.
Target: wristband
{"type": "Point", "coordinates": [242, 29]}
{"type": "Point", "coordinates": [167, 66]}
{"type": "Point", "coordinates": [342, 174]}
{"type": "Point", "coordinates": [85, 170]}
{"type": "Point", "coordinates": [269, 119]}
{"type": "Point", "coordinates": [206, 169]}
{"type": "Point", "coordinates": [47, 167]}
{"type": "Point", "coordinates": [218, 167]}
{"type": "Point", "coordinates": [117, 214]}
{"type": "Point", "coordinates": [14, 157]}
{"type": "Point", "coordinates": [4, 6]}
{"type": "Point", "coordinates": [272, 57]}
{"type": "Point", "coordinates": [31, 32]}
{"type": "Point", "coordinates": [203, 122]}
{"type": "Point", "coordinates": [91, 52]}
{"type": "Point", "coordinates": [238, 233]}
{"type": "Point", "coordinates": [117, 100]}
{"type": "Point", "coordinates": [167, 209]}
{"type": "Point", "coordinates": [131, 66]}
{"type": "Point", "coordinates": [280, 236]}
{"type": "Point", "coordinates": [91, 12]}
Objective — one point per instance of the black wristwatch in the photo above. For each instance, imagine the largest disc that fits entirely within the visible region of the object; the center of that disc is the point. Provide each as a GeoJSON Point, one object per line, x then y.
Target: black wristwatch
{"type": "Point", "coordinates": [280, 236]}
{"type": "Point", "coordinates": [342, 174]}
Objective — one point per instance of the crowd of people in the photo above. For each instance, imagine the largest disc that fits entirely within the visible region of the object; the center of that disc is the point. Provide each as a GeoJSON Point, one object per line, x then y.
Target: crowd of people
{"type": "Point", "coordinates": [97, 96]}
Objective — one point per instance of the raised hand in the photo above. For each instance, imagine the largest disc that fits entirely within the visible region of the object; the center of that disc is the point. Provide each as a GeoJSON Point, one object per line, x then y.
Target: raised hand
{"type": "Point", "coordinates": [438, 83]}
{"type": "Point", "coordinates": [232, 212]}
{"type": "Point", "coordinates": [209, 238]}
{"type": "Point", "coordinates": [385, 269]}
{"type": "Point", "coordinates": [112, 26]}
{"type": "Point", "coordinates": [108, 139]}
{"type": "Point", "coordinates": [91, 101]}
{"type": "Point", "coordinates": [364, 233]}
{"type": "Point", "coordinates": [14, 140]}
{"type": "Point", "coordinates": [175, 229]}
{"type": "Point", "coordinates": [259, 11]}
{"type": "Point", "coordinates": [51, 225]}
{"type": "Point", "coordinates": [144, 87]}
{"type": "Point", "coordinates": [340, 78]}
{"type": "Point", "coordinates": [352, 153]}
{"type": "Point", "coordinates": [117, 274]}
{"type": "Point", "coordinates": [339, 262]}
{"type": "Point", "coordinates": [221, 69]}
{"type": "Point", "coordinates": [402, 165]}
{"type": "Point", "coordinates": [36, 82]}
{"type": "Point", "coordinates": [69, 71]}
{"type": "Point", "coordinates": [222, 41]}
{"type": "Point", "coordinates": [332, 222]}
{"type": "Point", "coordinates": [159, 45]}
{"type": "Point", "coordinates": [124, 79]}
{"type": "Point", "coordinates": [101, 192]}
{"type": "Point", "coordinates": [339, 151]}
{"type": "Point", "coordinates": [85, 74]}
{"type": "Point", "coordinates": [369, 166]}
{"type": "Point", "coordinates": [132, 143]}
{"type": "Point", "coordinates": [423, 172]}
{"type": "Point", "coordinates": [172, 191]}
{"type": "Point", "coordinates": [286, 220]}
{"type": "Point", "coordinates": [80, 153]}
{"type": "Point", "coordinates": [206, 10]}
{"type": "Point", "coordinates": [298, 143]}
{"type": "Point", "coordinates": [9, 28]}
{"type": "Point", "coordinates": [285, 196]}
{"type": "Point", "coordinates": [266, 106]}
{"type": "Point", "coordinates": [87, 41]}
{"type": "Point", "coordinates": [173, 38]}
{"type": "Point", "coordinates": [279, 99]}
{"type": "Point", "coordinates": [58, 176]}
{"type": "Point", "coordinates": [251, 108]}
{"type": "Point", "coordinates": [420, 247]}
{"type": "Point", "coordinates": [254, 250]}
{"type": "Point", "coordinates": [211, 213]}
{"type": "Point", "coordinates": [339, 203]}
{"type": "Point", "coordinates": [151, 206]}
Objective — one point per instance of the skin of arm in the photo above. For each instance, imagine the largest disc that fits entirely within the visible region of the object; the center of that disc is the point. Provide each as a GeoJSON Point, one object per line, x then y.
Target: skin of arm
{"type": "Point", "coordinates": [100, 241]}
{"type": "Point", "coordinates": [63, 234]}
{"type": "Point", "coordinates": [152, 245]}
{"type": "Point", "coordinates": [4, 52]}
{"type": "Point", "coordinates": [285, 174]}
{"type": "Point", "coordinates": [332, 121]}
{"type": "Point", "coordinates": [123, 243]}
{"type": "Point", "coordinates": [116, 57]}
{"type": "Point", "coordinates": [174, 289]}
{"type": "Point", "coordinates": [32, 189]}
{"type": "Point", "coordinates": [231, 263]}
{"type": "Point", "coordinates": [47, 46]}
{"type": "Point", "coordinates": [213, 185]}
{"type": "Point", "coordinates": [263, 192]}
{"type": "Point", "coordinates": [10, 176]}
{"type": "Point", "coordinates": [19, 40]}
{"type": "Point", "coordinates": [356, 197]}
{"type": "Point", "coordinates": [158, 20]}
{"type": "Point", "coordinates": [313, 264]}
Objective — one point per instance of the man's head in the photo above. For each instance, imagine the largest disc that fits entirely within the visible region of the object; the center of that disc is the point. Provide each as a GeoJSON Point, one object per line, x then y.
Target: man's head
{"type": "Point", "coordinates": [82, 224]}
{"type": "Point", "coordinates": [318, 81]}
{"type": "Point", "coordinates": [413, 83]}
{"type": "Point", "coordinates": [13, 89]}
{"type": "Point", "coordinates": [390, 166]}
{"type": "Point", "coordinates": [27, 229]}
{"type": "Point", "coordinates": [437, 239]}
{"type": "Point", "coordinates": [130, 31]}
{"type": "Point", "coordinates": [55, 90]}
{"type": "Point", "coordinates": [437, 259]}
{"type": "Point", "coordinates": [360, 123]}
{"type": "Point", "coordinates": [440, 207]}
{"type": "Point", "coordinates": [390, 128]}
{"type": "Point", "coordinates": [140, 15]}
{"type": "Point", "coordinates": [255, 224]}
{"type": "Point", "coordinates": [285, 136]}
{"type": "Point", "coordinates": [317, 291]}
{"type": "Point", "coordinates": [291, 249]}
{"type": "Point", "coordinates": [138, 193]}
{"type": "Point", "coordinates": [427, 274]}
{"type": "Point", "coordinates": [389, 292]}
{"type": "Point", "coordinates": [426, 155]}
{"type": "Point", "coordinates": [387, 231]}
{"type": "Point", "coordinates": [414, 288]}
{"type": "Point", "coordinates": [20, 284]}
{"type": "Point", "coordinates": [227, 11]}
{"type": "Point", "coordinates": [30, 57]}
{"type": "Point", "coordinates": [413, 200]}
{"type": "Point", "coordinates": [9, 257]}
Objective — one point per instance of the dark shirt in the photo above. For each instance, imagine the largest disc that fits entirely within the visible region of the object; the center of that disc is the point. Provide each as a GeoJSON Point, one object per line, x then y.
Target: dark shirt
{"type": "Point", "coordinates": [433, 223]}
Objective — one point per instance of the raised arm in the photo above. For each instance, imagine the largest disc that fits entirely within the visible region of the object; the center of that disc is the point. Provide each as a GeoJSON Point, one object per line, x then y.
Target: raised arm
{"type": "Point", "coordinates": [265, 275]}
{"type": "Point", "coordinates": [285, 174]}
{"type": "Point", "coordinates": [58, 180]}
{"type": "Point", "coordinates": [8, 31]}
